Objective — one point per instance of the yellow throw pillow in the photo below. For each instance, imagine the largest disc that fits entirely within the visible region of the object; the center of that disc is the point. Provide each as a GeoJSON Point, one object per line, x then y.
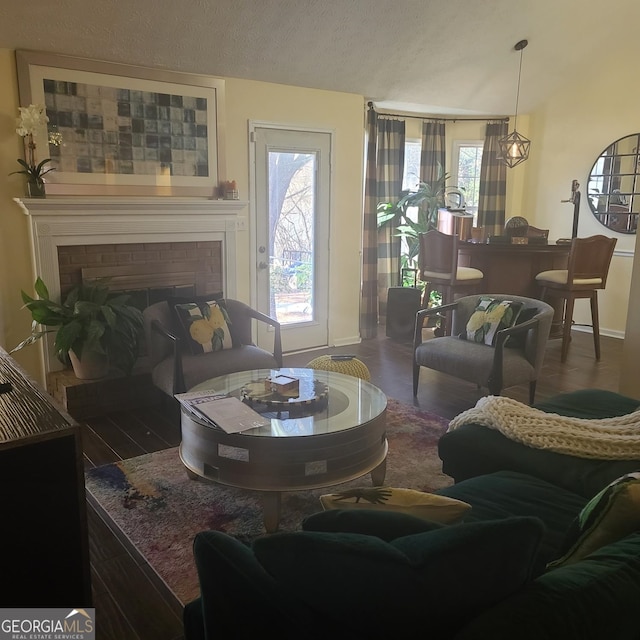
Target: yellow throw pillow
{"type": "Point", "coordinates": [489, 317]}
{"type": "Point", "coordinates": [204, 326]}
{"type": "Point", "coordinates": [611, 515]}
{"type": "Point", "coordinates": [428, 506]}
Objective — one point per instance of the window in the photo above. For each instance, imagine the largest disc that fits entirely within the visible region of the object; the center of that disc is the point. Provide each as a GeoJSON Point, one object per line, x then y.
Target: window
{"type": "Point", "coordinates": [411, 176]}
{"type": "Point", "coordinates": [465, 174]}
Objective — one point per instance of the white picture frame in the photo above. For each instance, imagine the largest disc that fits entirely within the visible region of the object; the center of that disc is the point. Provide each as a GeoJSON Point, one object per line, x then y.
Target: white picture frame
{"type": "Point", "coordinates": [126, 130]}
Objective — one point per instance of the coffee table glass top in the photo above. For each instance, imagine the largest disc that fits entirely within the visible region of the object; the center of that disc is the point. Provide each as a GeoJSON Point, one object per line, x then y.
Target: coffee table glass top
{"type": "Point", "coordinates": [330, 401]}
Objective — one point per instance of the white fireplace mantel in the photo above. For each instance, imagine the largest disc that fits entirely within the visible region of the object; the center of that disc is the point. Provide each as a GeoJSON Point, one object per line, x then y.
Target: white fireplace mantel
{"type": "Point", "coordinates": [67, 221]}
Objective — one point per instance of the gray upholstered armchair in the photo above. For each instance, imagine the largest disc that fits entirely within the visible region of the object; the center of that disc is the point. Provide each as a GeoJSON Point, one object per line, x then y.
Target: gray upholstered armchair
{"type": "Point", "coordinates": [175, 370]}
{"type": "Point", "coordinates": [515, 357]}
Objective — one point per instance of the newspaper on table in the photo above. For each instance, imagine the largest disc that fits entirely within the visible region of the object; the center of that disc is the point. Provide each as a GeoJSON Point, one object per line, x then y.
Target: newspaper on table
{"type": "Point", "coordinates": [221, 411]}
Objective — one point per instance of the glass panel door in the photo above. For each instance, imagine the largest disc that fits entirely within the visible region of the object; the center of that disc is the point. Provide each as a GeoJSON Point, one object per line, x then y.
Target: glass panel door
{"type": "Point", "coordinates": [292, 208]}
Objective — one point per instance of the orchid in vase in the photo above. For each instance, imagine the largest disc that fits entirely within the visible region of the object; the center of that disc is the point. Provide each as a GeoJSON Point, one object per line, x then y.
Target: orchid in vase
{"type": "Point", "coordinates": [31, 119]}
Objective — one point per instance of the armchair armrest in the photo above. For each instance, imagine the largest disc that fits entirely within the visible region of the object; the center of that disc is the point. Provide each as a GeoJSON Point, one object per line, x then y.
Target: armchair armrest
{"type": "Point", "coordinates": [425, 313]}
{"type": "Point", "coordinates": [178, 374]}
{"type": "Point", "coordinates": [496, 377]}
{"type": "Point", "coordinates": [277, 338]}
{"type": "Point", "coordinates": [241, 315]}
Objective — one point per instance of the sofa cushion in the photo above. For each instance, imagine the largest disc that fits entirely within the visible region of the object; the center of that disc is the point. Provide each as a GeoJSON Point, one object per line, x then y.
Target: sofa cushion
{"type": "Point", "coordinates": [506, 494]}
{"type": "Point", "coordinates": [593, 599]}
{"type": "Point", "coordinates": [609, 516]}
{"type": "Point", "coordinates": [204, 326]}
{"type": "Point", "coordinates": [473, 450]}
{"type": "Point", "coordinates": [370, 585]}
{"type": "Point", "coordinates": [489, 317]}
{"type": "Point", "coordinates": [590, 404]}
{"type": "Point", "coordinates": [386, 525]}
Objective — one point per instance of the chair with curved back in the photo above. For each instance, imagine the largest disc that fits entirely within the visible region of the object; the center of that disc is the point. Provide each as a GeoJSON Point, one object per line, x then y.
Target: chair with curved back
{"type": "Point", "coordinates": [587, 270]}
{"type": "Point", "coordinates": [174, 369]}
{"type": "Point", "coordinates": [504, 356]}
{"type": "Point", "coordinates": [438, 267]}
{"type": "Point", "coordinates": [536, 232]}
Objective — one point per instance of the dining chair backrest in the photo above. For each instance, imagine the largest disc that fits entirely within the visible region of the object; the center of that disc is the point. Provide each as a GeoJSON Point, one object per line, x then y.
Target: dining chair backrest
{"type": "Point", "coordinates": [438, 254]}
{"type": "Point", "coordinates": [589, 260]}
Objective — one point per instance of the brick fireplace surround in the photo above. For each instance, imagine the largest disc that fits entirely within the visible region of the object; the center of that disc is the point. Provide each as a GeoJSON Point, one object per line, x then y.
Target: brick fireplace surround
{"type": "Point", "coordinates": [72, 233]}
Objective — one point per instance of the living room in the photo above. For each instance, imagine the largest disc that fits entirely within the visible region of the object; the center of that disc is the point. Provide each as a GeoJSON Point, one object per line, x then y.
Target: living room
{"type": "Point", "coordinates": [568, 129]}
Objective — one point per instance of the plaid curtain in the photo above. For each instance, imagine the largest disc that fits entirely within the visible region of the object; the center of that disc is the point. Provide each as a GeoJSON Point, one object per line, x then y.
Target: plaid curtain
{"type": "Point", "coordinates": [380, 249]}
{"type": "Point", "coordinates": [432, 155]}
{"type": "Point", "coordinates": [369, 295]}
{"type": "Point", "coordinates": [493, 181]}
{"type": "Point", "coordinates": [389, 172]}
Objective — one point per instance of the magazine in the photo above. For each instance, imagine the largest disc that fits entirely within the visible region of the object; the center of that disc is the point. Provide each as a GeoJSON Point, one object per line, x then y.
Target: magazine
{"type": "Point", "coordinates": [222, 411]}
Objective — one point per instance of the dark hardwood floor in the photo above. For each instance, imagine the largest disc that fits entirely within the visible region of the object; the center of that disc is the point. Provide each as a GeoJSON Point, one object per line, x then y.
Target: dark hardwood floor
{"type": "Point", "coordinates": [131, 604]}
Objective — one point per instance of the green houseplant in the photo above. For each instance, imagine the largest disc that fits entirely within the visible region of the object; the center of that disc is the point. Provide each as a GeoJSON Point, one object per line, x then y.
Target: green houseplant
{"type": "Point", "coordinates": [92, 325]}
{"type": "Point", "coordinates": [428, 198]}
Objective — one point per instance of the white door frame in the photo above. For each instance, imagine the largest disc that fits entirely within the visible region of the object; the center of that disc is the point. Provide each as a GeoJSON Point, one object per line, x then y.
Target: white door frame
{"type": "Point", "coordinates": [253, 212]}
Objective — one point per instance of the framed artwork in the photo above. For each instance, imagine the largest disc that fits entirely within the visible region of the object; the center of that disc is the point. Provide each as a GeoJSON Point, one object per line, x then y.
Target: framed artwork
{"type": "Point", "coordinates": [118, 129]}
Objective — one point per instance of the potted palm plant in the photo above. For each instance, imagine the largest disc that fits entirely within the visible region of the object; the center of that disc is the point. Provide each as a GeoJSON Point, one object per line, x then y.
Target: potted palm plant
{"type": "Point", "coordinates": [428, 198]}
{"type": "Point", "coordinates": [95, 329]}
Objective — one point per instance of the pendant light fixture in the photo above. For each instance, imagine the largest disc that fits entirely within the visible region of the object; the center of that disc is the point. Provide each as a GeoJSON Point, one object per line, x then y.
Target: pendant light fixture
{"type": "Point", "coordinates": [514, 148]}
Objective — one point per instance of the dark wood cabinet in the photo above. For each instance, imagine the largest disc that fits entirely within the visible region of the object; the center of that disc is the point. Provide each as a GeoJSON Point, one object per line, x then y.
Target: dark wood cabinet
{"type": "Point", "coordinates": [45, 555]}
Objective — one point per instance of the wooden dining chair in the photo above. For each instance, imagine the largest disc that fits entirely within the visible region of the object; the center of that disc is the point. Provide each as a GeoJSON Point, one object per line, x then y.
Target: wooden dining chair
{"type": "Point", "coordinates": [587, 270]}
{"type": "Point", "coordinates": [438, 268]}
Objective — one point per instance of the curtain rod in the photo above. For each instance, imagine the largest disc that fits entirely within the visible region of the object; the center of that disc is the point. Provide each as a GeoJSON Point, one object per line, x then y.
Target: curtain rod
{"type": "Point", "coordinates": [402, 115]}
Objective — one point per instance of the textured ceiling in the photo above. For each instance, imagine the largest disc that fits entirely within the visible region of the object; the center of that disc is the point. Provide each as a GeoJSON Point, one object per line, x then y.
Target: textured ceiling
{"type": "Point", "coordinates": [430, 56]}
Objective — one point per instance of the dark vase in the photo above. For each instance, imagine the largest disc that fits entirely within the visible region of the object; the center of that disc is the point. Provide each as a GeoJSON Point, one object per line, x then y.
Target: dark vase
{"type": "Point", "coordinates": [36, 189]}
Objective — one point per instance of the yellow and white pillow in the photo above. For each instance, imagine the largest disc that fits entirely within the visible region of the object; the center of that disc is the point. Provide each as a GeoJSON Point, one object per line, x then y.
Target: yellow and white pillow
{"type": "Point", "coordinates": [205, 326]}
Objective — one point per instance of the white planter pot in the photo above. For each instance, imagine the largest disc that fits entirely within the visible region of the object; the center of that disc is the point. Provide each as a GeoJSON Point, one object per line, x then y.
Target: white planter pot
{"type": "Point", "coordinates": [91, 366]}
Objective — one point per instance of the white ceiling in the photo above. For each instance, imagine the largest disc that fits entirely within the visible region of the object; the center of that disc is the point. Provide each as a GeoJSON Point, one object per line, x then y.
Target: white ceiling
{"type": "Point", "coordinates": [429, 56]}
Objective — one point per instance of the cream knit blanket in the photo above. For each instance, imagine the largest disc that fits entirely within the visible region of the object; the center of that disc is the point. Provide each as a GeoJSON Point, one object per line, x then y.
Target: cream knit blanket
{"type": "Point", "coordinates": [604, 439]}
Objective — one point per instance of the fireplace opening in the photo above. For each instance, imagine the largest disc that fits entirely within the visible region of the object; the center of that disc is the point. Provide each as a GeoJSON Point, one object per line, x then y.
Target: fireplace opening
{"type": "Point", "coordinates": [187, 269]}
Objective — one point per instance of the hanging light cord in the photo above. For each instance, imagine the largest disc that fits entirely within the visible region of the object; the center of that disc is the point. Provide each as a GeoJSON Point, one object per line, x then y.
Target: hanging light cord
{"type": "Point", "coordinates": [519, 47]}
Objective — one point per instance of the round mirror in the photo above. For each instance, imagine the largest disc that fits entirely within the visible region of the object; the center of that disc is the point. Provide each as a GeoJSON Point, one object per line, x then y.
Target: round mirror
{"type": "Point", "coordinates": [614, 185]}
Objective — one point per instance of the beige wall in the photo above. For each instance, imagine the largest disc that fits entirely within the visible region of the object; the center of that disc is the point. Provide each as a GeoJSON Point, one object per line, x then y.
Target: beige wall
{"type": "Point", "coordinates": [569, 132]}
{"type": "Point", "coordinates": [15, 251]}
{"type": "Point", "coordinates": [340, 113]}
{"type": "Point", "coordinates": [343, 114]}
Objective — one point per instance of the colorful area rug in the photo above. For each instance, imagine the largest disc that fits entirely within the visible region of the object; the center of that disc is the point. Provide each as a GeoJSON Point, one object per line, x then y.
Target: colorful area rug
{"type": "Point", "coordinates": [160, 510]}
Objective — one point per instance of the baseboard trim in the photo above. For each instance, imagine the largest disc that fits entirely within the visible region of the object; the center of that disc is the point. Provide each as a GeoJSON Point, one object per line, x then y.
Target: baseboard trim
{"type": "Point", "coordinates": [603, 332]}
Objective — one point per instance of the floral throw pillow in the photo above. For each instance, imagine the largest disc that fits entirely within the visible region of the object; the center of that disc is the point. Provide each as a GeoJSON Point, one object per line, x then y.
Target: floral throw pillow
{"type": "Point", "coordinates": [609, 516]}
{"type": "Point", "coordinates": [489, 317]}
{"type": "Point", "coordinates": [205, 326]}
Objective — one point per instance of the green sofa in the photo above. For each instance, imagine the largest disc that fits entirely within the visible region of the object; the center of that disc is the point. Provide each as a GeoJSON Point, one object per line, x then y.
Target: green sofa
{"type": "Point", "coordinates": [376, 574]}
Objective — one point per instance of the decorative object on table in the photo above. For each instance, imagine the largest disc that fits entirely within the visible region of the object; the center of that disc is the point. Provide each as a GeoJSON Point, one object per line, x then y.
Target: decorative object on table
{"type": "Point", "coordinates": [284, 385]}
{"type": "Point", "coordinates": [96, 329]}
{"type": "Point", "coordinates": [348, 365]}
{"type": "Point", "coordinates": [516, 227]}
{"type": "Point", "coordinates": [309, 394]}
{"type": "Point", "coordinates": [31, 120]}
{"type": "Point", "coordinates": [144, 99]}
{"type": "Point", "coordinates": [231, 190]}
{"type": "Point", "coordinates": [514, 148]}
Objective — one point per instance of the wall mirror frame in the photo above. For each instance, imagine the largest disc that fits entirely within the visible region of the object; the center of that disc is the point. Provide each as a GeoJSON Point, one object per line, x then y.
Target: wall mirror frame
{"type": "Point", "coordinates": [614, 185]}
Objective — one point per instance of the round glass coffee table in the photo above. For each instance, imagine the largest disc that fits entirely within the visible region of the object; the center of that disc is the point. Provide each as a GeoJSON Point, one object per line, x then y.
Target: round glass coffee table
{"type": "Point", "coordinates": [334, 431]}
